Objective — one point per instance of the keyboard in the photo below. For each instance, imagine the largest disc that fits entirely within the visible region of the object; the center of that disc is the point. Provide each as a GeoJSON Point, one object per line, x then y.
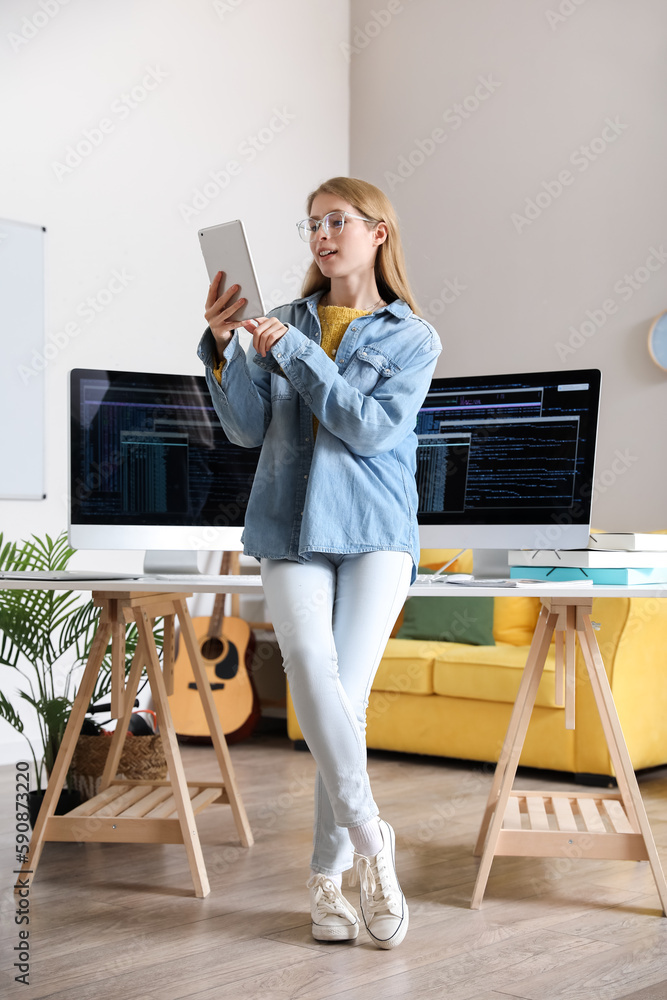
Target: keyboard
{"type": "Point", "coordinates": [64, 574]}
{"type": "Point", "coordinates": [466, 580]}
{"type": "Point", "coordinates": [431, 578]}
{"type": "Point", "coordinates": [214, 580]}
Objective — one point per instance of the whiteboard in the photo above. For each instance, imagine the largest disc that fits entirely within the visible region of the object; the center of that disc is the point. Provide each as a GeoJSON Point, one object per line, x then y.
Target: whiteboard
{"type": "Point", "coordinates": [23, 361]}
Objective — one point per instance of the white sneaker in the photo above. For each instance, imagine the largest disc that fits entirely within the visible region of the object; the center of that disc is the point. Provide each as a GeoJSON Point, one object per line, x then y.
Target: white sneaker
{"type": "Point", "coordinates": [383, 904]}
{"type": "Point", "coordinates": [333, 919]}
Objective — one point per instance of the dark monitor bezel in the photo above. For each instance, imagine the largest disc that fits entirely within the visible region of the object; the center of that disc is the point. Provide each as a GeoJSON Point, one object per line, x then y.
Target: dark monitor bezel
{"type": "Point", "coordinates": [234, 518]}
{"type": "Point", "coordinates": [579, 513]}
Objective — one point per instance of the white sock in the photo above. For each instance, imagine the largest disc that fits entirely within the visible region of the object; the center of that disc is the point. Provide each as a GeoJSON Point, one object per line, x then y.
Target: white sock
{"type": "Point", "coordinates": [337, 879]}
{"type": "Point", "coordinates": [366, 839]}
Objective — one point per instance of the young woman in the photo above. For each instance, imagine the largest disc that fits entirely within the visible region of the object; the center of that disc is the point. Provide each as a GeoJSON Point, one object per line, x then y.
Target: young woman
{"type": "Point", "coordinates": [331, 390]}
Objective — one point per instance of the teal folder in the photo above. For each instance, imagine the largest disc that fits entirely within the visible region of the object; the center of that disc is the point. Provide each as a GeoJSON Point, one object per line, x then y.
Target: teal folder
{"type": "Point", "coordinates": [629, 576]}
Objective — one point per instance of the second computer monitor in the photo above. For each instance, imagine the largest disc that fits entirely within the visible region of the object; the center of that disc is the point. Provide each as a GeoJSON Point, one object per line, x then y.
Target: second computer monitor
{"type": "Point", "coordinates": [152, 468]}
{"type": "Point", "coordinates": [507, 461]}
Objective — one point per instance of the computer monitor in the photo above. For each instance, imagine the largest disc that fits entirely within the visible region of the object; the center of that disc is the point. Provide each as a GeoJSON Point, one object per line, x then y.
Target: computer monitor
{"type": "Point", "coordinates": [151, 468]}
{"type": "Point", "coordinates": [507, 462]}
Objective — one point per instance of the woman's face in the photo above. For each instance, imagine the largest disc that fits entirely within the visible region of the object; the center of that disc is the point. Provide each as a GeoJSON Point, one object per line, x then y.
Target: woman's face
{"type": "Point", "coordinates": [350, 252]}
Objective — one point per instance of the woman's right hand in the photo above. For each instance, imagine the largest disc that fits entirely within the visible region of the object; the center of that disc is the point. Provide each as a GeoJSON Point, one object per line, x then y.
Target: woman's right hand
{"type": "Point", "coordinates": [219, 314]}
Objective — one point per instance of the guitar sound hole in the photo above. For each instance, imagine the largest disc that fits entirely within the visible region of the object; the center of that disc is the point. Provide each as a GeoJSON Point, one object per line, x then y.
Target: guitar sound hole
{"type": "Point", "coordinates": [212, 648]}
{"type": "Point", "coordinates": [228, 667]}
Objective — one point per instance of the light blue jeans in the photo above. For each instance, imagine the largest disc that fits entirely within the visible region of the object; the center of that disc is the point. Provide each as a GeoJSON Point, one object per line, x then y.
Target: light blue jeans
{"type": "Point", "coordinates": [332, 618]}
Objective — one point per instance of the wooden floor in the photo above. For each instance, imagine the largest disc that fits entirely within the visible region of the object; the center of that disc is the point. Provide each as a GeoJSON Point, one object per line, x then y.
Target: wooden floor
{"type": "Point", "coordinates": [121, 921]}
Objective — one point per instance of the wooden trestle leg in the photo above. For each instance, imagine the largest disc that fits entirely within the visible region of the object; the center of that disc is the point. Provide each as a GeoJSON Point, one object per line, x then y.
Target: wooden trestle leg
{"type": "Point", "coordinates": [126, 811]}
{"type": "Point", "coordinates": [545, 824]}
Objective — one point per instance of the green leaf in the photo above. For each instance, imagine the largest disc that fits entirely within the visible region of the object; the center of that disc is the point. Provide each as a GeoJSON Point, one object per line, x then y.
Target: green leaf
{"type": "Point", "coordinates": [54, 713]}
{"type": "Point", "coordinates": [7, 554]}
{"type": "Point", "coordinates": [78, 630]}
{"type": "Point", "coordinates": [39, 628]}
{"type": "Point", "coordinates": [26, 621]}
{"type": "Point", "coordinates": [9, 714]}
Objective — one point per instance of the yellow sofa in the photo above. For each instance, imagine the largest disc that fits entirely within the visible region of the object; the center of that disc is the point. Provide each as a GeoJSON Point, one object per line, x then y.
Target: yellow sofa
{"type": "Point", "coordinates": [455, 700]}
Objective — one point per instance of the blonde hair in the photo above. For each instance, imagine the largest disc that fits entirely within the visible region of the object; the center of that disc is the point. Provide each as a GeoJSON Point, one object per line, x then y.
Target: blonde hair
{"type": "Point", "coordinates": [390, 271]}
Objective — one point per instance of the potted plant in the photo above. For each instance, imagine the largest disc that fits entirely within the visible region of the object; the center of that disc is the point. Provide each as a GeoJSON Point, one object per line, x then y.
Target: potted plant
{"type": "Point", "coordinates": [46, 635]}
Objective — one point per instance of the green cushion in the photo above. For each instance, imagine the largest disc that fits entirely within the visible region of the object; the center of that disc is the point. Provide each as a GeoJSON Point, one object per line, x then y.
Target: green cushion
{"type": "Point", "coordinates": [448, 619]}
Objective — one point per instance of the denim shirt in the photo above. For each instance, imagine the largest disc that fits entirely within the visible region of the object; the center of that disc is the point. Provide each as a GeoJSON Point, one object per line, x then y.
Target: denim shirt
{"type": "Point", "coordinates": [353, 488]}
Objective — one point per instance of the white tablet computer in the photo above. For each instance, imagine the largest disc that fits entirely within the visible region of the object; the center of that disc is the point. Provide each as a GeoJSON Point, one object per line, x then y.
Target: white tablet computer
{"type": "Point", "coordinates": [225, 248]}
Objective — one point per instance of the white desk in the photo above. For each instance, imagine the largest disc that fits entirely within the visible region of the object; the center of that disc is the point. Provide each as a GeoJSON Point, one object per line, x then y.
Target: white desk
{"type": "Point", "coordinates": [250, 583]}
{"type": "Point", "coordinates": [538, 824]}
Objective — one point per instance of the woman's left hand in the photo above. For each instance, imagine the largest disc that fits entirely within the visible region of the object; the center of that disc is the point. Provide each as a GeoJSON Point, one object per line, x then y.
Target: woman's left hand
{"type": "Point", "coordinates": [265, 332]}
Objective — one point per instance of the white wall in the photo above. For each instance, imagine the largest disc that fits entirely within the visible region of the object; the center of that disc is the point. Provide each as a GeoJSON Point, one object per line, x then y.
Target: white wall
{"type": "Point", "coordinates": [535, 81]}
{"type": "Point", "coordinates": [160, 94]}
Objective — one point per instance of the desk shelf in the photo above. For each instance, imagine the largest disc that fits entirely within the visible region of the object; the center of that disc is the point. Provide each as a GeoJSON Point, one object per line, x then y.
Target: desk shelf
{"type": "Point", "coordinates": [541, 824]}
{"type": "Point", "coordinates": [133, 812]}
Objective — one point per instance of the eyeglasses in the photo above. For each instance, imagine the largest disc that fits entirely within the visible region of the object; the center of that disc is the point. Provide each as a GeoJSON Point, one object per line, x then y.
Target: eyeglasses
{"type": "Point", "coordinates": [332, 224]}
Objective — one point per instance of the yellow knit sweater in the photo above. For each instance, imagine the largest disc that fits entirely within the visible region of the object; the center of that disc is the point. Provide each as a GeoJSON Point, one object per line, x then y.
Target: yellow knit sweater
{"type": "Point", "coordinates": [334, 321]}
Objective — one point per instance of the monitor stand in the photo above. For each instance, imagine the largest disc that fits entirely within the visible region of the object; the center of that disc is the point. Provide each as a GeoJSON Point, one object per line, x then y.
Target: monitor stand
{"type": "Point", "coordinates": [490, 564]}
{"type": "Point", "coordinates": [171, 561]}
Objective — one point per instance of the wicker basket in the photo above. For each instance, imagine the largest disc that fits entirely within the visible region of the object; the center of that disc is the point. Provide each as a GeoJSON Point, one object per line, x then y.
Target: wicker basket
{"type": "Point", "coordinates": [142, 759]}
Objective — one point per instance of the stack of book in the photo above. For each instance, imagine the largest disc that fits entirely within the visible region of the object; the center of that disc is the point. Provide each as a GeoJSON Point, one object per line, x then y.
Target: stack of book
{"type": "Point", "coordinates": [611, 558]}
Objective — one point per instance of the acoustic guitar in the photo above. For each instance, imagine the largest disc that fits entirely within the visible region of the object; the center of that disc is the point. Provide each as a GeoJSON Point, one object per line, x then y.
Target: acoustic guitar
{"type": "Point", "coordinates": [226, 646]}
